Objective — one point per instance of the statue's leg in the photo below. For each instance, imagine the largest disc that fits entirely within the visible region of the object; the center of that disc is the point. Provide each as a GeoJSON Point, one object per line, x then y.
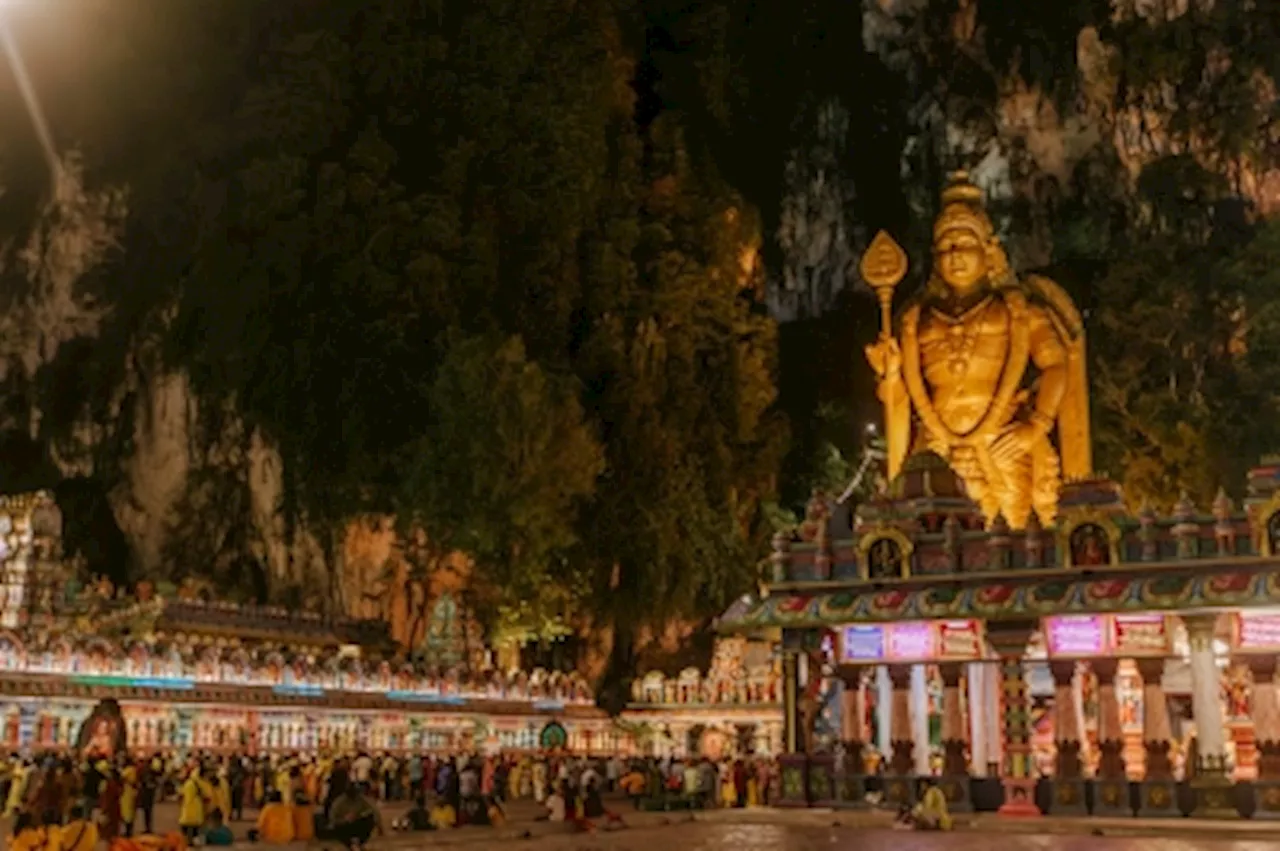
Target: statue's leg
{"type": "Point", "coordinates": [976, 484]}
{"type": "Point", "coordinates": [1046, 482]}
{"type": "Point", "coordinates": [1015, 502]}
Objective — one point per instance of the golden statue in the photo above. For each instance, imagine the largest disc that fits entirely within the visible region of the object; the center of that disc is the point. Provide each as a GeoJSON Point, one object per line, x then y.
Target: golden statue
{"type": "Point", "coordinates": [990, 366]}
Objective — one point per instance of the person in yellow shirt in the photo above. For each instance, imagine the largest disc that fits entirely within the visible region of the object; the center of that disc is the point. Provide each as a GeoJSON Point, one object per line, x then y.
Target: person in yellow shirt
{"type": "Point", "coordinates": [129, 797]}
{"type": "Point", "coordinates": [443, 815]}
{"type": "Point", "coordinates": [222, 792]}
{"type": "Point", "coordinates": [79, 834]}
{"type": "Point", "coordinates": [193, 800]}
{"type": "Point", "coordinates": [275, 822]}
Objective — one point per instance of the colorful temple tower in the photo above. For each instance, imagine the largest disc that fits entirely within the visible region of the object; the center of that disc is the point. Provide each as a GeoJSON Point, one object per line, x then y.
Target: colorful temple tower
{"type": "Point", "coordinates": [999, 619]}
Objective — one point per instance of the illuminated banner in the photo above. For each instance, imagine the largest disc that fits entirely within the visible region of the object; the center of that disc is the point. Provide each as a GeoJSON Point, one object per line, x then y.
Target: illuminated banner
{"type": "Point", "coordinates": [1257, 632]}
{"type": "Point", "coordinates": [862, 644]}
{"type": "Point", "coordinates": [1140, 635]}
{"type": "Point", "coordinates": [960, 640]}
{"type": "Point", "coordinates": [913, 641]}
{"type": "Point", "coordinates": [1073, 636]}
{"type": "Point", "coordinates": [909, 642]}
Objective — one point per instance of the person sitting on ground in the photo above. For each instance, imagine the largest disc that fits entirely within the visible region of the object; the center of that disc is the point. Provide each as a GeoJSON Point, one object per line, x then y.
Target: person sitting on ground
{"type": "Point", "coordinates": [497, 815]}
{"type": "Point", "coordinates": [78, 834]}
{"type": "Point", "coordinates": [27, 835]}
{"type": "Point", "coordinates": [443, 815]}
{"type": "Point", "coordinates": [275, 822]}
{"type": "Point", "coordinates": [216, 831]}
{"type": "Point", "coordinates": [355, 818]}
{"type": "Point", "coordinates": [417, 819]}
{"type": "Point", "coordinates": [555, 804]}
{"type": "Point", "coordinates": [932, 813]}
{"type": "Point", "coordinates": [304, 817]}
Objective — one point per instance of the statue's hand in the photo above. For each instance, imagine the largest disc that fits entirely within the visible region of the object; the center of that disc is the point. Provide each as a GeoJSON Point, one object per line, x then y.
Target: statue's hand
{"type": "Point", "coordinates": [1013, 443]}
{"type": "Point", "coordinates": [885, 357]}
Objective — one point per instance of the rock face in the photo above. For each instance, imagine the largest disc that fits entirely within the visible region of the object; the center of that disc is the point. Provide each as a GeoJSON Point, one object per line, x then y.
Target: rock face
{"type": "Point", "coordinates": [1031, 150]}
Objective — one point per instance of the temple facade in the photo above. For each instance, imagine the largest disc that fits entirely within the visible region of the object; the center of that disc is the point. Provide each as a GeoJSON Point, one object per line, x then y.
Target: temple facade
{"type": "Point", "coordinates": [734, 709]}
{"type": "Point", "coordinates": [999, 618]}
{"type": "Point", "coordinates": [191, 672]}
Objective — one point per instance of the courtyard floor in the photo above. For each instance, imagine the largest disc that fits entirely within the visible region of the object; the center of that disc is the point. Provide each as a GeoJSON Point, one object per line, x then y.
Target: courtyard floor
{"type": "Point", "coordinates": [810, 830]}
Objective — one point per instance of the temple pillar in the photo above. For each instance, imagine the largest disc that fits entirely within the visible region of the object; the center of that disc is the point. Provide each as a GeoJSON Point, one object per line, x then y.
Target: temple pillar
{"type": "Point", "coordinates": [1158, 796]}
{"type": "Point", "coordinates": [1009, 640]}
{"type": "Point", "coordinates": [1265, 712]}
{"type": "Point", "coordinates": [955, 768]}
{"type": "Point", "coordinates": [922, 752]}
{"type": "Point", "coordinates": [1266, 736]}
{"type": "Point", "coordinates": [851, 711]}
{"type": "Point", "coordinates": [1211, 784]}
{"type": "Point", "coordinates": [790, 701]}
{"type": "Point", "coordinates": [994, 720]}
{"type": "Point", "coordinates": [884, 713]}
{"type": "Point", "coordinates": [976, 679]}
{"type": "Point", "coordinates": [899, 788]}
{"type": "Point", "coordinates": [1068, 735]}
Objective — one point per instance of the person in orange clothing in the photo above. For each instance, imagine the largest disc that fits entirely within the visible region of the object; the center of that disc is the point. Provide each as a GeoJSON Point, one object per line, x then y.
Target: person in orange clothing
{"type": "Point", "coordinates": [275, 822]}
{"type": "Point", "coordinates": [79, 834]}
{"type": "Point", "coordinates": [27, 835]}
{"type": "Point", "coordinates": [304, 820]}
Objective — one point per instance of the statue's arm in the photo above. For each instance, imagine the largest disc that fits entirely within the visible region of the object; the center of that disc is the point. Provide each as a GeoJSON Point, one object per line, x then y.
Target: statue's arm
{"type": "Point", "coordinates": [1049, 354]}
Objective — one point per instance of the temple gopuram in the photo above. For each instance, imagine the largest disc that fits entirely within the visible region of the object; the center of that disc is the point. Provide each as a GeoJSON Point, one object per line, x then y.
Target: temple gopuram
{"type": "Point", "coordinates": [191, 672]}
{"type": "Point", "coordinates": [999, 619]}
{"type": "Point", "coordinates": [734, 709]}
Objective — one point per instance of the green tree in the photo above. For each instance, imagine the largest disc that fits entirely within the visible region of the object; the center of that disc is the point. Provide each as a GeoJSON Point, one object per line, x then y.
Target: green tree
{"type": "Point", "coordinates": [504, 461]}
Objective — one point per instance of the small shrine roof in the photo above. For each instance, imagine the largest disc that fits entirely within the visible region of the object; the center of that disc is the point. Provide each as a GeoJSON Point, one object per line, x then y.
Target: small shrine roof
{"type": "Point", "coordinates": [1229, 584]}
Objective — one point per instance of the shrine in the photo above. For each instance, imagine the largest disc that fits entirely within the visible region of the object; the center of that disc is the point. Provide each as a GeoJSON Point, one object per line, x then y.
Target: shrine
{"type": "Point", "coordinates": [735, 709]}
{"type": "Point", "coordinates": [999, 618]}
{"type": "Point", "coordinates": [190, 672]}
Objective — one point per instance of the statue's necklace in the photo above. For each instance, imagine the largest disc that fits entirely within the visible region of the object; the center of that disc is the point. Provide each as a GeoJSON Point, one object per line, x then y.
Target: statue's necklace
{"type": "Point", "coordinates": [961, 338]}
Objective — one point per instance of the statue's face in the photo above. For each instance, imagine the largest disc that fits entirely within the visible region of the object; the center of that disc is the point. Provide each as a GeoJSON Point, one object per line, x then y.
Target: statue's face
{"type": "Point", "coordinates": [960, 258]}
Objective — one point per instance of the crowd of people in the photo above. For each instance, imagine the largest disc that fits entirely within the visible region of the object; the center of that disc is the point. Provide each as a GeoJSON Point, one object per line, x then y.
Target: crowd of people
{"type": "Point", "coordinates": [59, 803]}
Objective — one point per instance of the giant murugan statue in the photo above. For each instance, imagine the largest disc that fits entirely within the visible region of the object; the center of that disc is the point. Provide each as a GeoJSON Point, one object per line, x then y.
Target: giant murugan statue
{"type": "Point", "coordinates": [984, 369]}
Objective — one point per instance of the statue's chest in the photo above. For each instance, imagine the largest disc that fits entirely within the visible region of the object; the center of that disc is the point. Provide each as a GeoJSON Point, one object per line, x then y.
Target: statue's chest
{"type": "Point", "coordinates": [955, 346]}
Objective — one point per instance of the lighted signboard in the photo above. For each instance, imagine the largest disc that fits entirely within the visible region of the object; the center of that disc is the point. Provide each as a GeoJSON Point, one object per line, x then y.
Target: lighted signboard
{"type": "Point", "coordinates": [912, 641]}
{"type": "Point", "coordinates": [1257, 632]}
{"type": "Point", "coordinates": [862, 644]}
{"type": "Point", "coordinates": [960, 639]}
{"type": "Point", "coordinates": [1140, 635]}
{"type": "Point", "coordinates": [1076, 635]}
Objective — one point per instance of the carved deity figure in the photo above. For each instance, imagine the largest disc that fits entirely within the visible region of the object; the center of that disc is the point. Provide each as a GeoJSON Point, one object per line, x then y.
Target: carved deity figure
{"type": "Point", "coordinates": [984, 367]}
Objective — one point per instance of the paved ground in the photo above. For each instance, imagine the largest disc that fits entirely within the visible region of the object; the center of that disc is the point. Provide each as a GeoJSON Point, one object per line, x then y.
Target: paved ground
{"type": "Point", "coordinates": [810, 830]}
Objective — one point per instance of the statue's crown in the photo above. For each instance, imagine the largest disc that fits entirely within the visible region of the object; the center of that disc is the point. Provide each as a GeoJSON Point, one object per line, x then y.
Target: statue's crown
{"type": "Point", "coordinates": [961, 190]}
{"type": "Point", "coordinates": [962, 207]}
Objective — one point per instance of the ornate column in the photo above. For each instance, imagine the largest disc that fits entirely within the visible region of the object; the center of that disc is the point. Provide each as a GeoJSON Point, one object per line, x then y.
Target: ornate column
{"type": "Point", "coordinates": [955, 767]}
{"type": "Point", "coordinates": [1159, 791]}
{"type": "Point", "coordinates": [1266, 735]}
{"type": "Point", "coordinates": [884, 713]}
{"type": "Point", "coordinates": [975, 677]}
{"type": "Point", "coordinates": [901, 738]}
{"type": "Point", "coordinates": [920, 720]}
{"type": "Point", "coordinates": [790, 701]}
{"type": "Point", "coordinates": [953, 733]}
{"type": "Point", "coordinates": [1211, 784]}
{"type": "Point", "coordinates": [899, 788]}
{"type": "Point", "coordinates": [851, 703]}
{"type": "Point", "coordinates": [1068, 734]}
{"type": "Point", "coordinates": [1266, 715]}
{"type": "Point", "coordinates": [1009, 640]}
